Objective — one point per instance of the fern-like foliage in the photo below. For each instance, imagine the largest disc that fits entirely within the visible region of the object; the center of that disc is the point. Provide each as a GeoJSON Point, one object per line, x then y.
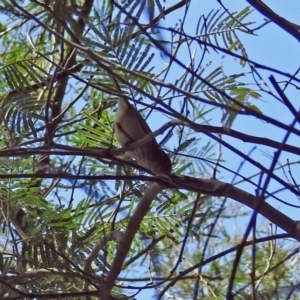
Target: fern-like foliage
{"type": "Point", "coordinates": [218, 26]}
{"type": "Point", "coordinates": [22, 104]}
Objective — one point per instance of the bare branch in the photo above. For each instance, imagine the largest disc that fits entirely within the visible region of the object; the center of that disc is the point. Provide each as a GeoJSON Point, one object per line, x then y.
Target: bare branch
{"type": "Point", "coordinates": [114, 235]}
{"type": "Point", "coordinates": [129, 234]}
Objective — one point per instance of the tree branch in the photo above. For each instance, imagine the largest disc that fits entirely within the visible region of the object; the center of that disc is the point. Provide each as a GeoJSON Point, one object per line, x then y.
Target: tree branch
{"type": "Point", "coordinates": [129, 234]}
{"type": "Point", "coordinates": [217, 188]}
{"type": "Point", "coordinates": [288, 26]}
{"type": "Point", "coordinates": [114, 235]}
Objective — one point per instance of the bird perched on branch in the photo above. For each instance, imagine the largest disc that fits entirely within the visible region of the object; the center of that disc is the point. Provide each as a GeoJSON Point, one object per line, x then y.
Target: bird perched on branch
{"type": "Point", "coordinates": [129, 127]}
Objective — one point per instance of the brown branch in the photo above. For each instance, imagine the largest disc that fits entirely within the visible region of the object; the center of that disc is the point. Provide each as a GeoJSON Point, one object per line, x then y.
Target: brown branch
{"type": "Point", "coordinates": [288, 26]}
{"type": "Point", "coordinates": [62, 79]}
{"type": "Point", "coordinates": [211, 129]}
{"type": "Point", "coordinates": [217, 188]}
{"type": "Point", "coordinates": [114, 235]}
{"type": "Point", "coordinates": [147, 249]}
{"type": "Point", "coordinates": [246, 137]}
{"type": "Point", "coordinates": [68, 63]}
{"type": "Point", "coordinates": [129, 234]}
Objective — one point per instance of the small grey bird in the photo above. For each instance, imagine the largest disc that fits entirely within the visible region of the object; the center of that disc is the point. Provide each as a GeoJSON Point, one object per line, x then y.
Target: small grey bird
{"type": "Point", "coordinates": [129, 127]}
